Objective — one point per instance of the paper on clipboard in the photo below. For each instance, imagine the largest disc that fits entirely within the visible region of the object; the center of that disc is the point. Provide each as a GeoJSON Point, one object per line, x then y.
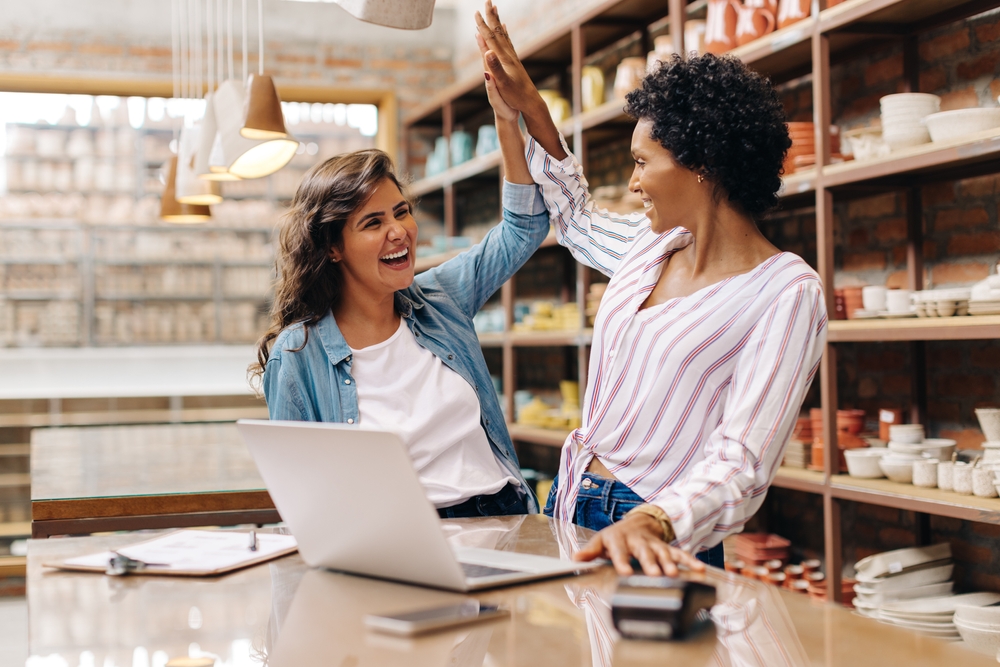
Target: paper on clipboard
{"type": "Point", "coordinates": [191, 553]}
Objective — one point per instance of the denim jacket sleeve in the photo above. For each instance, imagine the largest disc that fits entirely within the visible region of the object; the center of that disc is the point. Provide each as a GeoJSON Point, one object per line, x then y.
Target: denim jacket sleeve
{"type": "Point", "coordinates": [472, 277]}
{"type": "Point", "coordinates": [282, 392]}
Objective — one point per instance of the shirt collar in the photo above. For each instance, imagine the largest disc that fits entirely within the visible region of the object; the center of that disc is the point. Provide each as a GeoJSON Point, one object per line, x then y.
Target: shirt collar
{"type": "Point", "coordinates": [333, 341]}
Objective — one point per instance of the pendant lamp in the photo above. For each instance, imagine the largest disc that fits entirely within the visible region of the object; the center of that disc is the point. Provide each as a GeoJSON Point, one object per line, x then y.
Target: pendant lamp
{"type": "Point", "coordinates": [172, 210]}
{"type": "Point", "coordinates": [209, 163]}
{"type": "Point", "coordinates": [264, 119]}
{"type": "Point", "coordinates": [189, 188]}
{"type": "Point", "coordinates": [246, 158]}
{"type": "Point", "coordinates": [404, 14]}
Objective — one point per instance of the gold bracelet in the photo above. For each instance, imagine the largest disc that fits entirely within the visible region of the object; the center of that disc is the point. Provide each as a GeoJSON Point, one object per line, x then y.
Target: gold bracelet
{"type": "Point", "coordinates": [658, 514]}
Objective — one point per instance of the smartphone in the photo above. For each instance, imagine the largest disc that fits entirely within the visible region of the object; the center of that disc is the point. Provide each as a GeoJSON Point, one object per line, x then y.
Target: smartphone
{"type": "Point", "coordinates": [436, 618]}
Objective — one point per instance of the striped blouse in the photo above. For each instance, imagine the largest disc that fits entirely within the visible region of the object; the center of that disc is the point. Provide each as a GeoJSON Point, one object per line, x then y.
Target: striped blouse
{"type": "Point", "coordinates": [690, 402]}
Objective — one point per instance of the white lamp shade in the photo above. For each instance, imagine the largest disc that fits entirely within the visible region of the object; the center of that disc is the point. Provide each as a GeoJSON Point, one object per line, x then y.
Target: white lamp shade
{"type": "Point", "coordinates": [245, 158]}
{"type": "Point", "coordinates": [190, 188]}
{"type": "Point", "coordinates": [405, 14]}
{"type": "Point", "coordinates": [203, 165]}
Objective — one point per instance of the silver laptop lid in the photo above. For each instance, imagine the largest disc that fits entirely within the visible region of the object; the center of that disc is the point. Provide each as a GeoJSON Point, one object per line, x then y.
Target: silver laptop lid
{"type": "Point", "coordinates": [352, 500]}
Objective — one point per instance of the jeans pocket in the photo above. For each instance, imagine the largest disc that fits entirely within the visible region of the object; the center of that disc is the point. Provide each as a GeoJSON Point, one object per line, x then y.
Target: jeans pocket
{"type": "Point", "coordinates": [619, 508]}
{"type": "Point", "coordinates": [550, 502]}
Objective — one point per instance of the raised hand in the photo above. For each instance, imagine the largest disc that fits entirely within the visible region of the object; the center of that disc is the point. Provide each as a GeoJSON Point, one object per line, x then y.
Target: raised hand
{"type": "Point", "coordinates": [502, 63]}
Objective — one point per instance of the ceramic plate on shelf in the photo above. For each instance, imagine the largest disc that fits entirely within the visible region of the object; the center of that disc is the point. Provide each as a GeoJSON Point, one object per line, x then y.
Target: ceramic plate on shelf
{"type": "Point", "coordinates": [893, 315]}
{"type": "Point", "coordinates": [945, 604]}
{"type": "Point", "coordinates": [861, 314]}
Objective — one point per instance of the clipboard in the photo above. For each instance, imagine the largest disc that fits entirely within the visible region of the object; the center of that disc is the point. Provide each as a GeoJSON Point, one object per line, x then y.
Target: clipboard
{"type": "Point", "coordinates": [188, 553]}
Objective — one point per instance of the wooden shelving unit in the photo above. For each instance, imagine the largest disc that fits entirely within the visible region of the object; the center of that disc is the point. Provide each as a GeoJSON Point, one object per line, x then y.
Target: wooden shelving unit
{"type": "Point", "coordinates": [805, 49]}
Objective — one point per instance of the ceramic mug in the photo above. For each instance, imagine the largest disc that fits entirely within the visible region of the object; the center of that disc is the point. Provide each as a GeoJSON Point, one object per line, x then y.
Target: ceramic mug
{"type": "Point", "coordinates": [762, 4]}
{"type": "Point", "coordinates": [751, 23]}
{"type": "Point", "coordinates": [461, 147]}
{"type": "Point", "coordinates": [792, 11]}
{"type": "Point", "coordinates": [629, 76]}
{"type": "Point", "coordinates": [982, 483]}
{"type": "Point", "coordinates": [898, 300]}
{"type": "Point", "coordinates": [720, 26]}
{"type": "Point", "coordinates": [873, 297]}
{"type": "Point", "coordinates": [961, 479]}
{"type": "Point", "coordinates": [486, 140]}
{"type": "Point", "coordinates": [945, 477]}
{"type": "Point", "coordinates": [592, 87]}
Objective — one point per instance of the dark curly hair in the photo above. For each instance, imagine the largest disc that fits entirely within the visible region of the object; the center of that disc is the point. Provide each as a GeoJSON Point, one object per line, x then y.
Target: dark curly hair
{"type": "Point", "coordinates": [718, 117]}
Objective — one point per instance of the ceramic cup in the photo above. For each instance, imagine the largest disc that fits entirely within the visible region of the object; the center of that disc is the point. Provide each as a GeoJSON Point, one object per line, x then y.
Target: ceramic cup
{"type": "Point", "coordinates": [961, 476]}
{"type": "Point", "coordinates": [944, 476]}
{"type": "Point", "coordinates": [486, 140]}
{"type": "Point", "coordinates": [873, 297]}
{"type": "Point", "coordinates": [982, 483]}
{"type": "Point", "coordinates": [898, 300]}
{"type": "Point", "coordinates": [752, 22]}
{"type": "Point", "coordinates": [720, 26]}
{"type": "Point", "coordinates": [925, 473]}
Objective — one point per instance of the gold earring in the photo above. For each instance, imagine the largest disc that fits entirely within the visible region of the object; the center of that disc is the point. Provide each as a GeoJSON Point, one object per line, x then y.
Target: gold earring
{"type": "Point", "coordinates": [701, 177]}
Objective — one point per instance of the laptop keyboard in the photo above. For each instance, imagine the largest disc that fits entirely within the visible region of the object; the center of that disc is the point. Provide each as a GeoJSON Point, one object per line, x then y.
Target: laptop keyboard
{"type": "Point", "coordinates": [473, 571]}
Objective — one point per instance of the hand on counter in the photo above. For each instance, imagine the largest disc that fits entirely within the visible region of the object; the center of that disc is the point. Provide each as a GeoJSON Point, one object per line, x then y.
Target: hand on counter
{"type": "Point", "coordinates": [640, 537]}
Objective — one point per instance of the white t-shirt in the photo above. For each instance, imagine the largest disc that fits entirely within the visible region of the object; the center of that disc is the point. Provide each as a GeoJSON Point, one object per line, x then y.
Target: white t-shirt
{"type": "Point", "coordinates": [404, 388]}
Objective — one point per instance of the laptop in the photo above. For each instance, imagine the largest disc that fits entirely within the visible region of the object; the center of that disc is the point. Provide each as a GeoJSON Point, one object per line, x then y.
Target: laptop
{"type": "Point", "coordinates": [354, 503]}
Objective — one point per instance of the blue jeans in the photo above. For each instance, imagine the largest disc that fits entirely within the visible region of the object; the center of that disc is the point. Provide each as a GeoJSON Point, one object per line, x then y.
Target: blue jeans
{"type": "Point", "coordinates": [602, 502]}
{"type": "Point", "coordinates": [505, 501]}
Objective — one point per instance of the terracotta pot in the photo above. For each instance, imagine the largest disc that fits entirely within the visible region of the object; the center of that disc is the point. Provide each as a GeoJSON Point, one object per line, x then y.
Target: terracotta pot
{"type": "Point", "coordinates": [752, 22]}
{"type": "Point", "coordinates": [735, 565]}
{"type": "Point", "coordinates": [839, 308]}
{"type": "Point", "coordinates": [852, 301]}
{"type": "Point", "coordinates": [816, 421]}
{"type": "Point", "coordinates": [720, 26]}
{"type": "Point", "coordinates": [793, 11]}
{"type": "Point", "coordinates": [811, 565]}
{"type": "Point", "coordinates": [794, 572]}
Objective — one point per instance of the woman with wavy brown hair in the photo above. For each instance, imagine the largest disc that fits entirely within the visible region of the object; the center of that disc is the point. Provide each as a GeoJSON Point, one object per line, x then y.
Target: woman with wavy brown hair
{"type": "Point", "coordinates": [356, 337]}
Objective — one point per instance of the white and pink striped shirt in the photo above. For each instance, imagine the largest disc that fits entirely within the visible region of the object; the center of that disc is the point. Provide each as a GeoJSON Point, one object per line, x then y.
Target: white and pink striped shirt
{"type": "Point", "coordinates": [690, 402]}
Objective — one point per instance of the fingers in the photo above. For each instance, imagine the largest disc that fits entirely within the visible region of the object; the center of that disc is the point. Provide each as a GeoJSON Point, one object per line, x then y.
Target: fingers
{"type": "Point", "coordinates": [642, 549]}
{"type": "Point", "coordinates": [684, 558]}
{"type": "Point", "coordinates": [591, 550]}
{"type": "Point", "coordinates": [618, 552]}
{"type": "Point", "coordinates": [665, 558]}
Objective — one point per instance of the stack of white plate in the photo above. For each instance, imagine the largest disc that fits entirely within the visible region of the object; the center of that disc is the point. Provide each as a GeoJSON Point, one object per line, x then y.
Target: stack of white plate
{"type": "Point", "coordinates": [934, 617]}
{"type": "Point", "coordinates": [902, 118]}
{"type": "Point", "coordinates": [903, 574]}
{"type": "Point", "coordinates": [985, 297]}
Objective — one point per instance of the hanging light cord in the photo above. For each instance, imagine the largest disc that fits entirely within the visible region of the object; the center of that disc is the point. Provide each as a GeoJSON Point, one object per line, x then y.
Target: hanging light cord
{"type": "Point", "coordinates": [185, 55]}
{"type": "Point", "coordinates": [246, 70]}
{"type": "Point", "coordinates": [199, 63]}
{"type": "Point", "coordinates": [218, 39]}
{"type": "Point", "coordinates": [175, 48]}
{"type": "Point", "coordinates": [209, 35]}
{"type": "Point", "coordinates": [230, 43]}
{"type": "Point", "coordinates": [260, 37]}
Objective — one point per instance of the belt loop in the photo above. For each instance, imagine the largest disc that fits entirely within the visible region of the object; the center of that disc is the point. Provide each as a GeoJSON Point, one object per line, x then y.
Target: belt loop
{"type": "Point", "coordinates": [606, 485]}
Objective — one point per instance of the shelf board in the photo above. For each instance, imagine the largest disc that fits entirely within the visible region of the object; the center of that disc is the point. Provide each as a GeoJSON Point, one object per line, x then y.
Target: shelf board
{"type": "Point", "coordinates": [551, 338]}
{"type": "Point", "coordinates": [14, 450]}
{"type": "Point", "coordinates": [40, 296]}
{"type": "Point", "coordinates": [799, 479]}
{"type": "Point", "coordinates": [786, 52]}
{"type": "Point", "coordinates": [492, 339]}
{"type": "Point", "coordinates": [538, 436]}
{"type": "Point", "coordinates": [917, 160]}
{"type": "Point", "coordinates": [15, 529]}
{"type": "Point", "coordinates": [798, 183]}
{"type": "Point", "coordinates": [474, 167]}
{"type": "Point", "coordinates": [15, 480]}
{"type": "Point", "coordinates": [915, 328]}
{"type": "Point", "coordinates": [916, 499]}
{"type": "Point", "coordinates": [916, 14]}
{"type": "Point", "coordinates": [45, 261]}
{"type": "Point", "coordinates": [13, 566]}
{"type": "Point", "coordinates": [609, 112]}
{"type": "Point", "coordinates": [154, 297]}
{"type": "Point", "coordinates": [182, 262]}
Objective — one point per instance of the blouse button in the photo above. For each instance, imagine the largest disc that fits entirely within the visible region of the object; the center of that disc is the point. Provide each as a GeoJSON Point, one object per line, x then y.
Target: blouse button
{"type": "Point", "coordinates": [350, 421]}
{"type": "Point", "coordinates": [347, 382]}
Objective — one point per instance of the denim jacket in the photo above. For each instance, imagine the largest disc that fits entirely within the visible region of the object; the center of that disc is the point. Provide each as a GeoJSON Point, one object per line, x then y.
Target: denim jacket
{"type": "Point", "coordinates": [315, 382]}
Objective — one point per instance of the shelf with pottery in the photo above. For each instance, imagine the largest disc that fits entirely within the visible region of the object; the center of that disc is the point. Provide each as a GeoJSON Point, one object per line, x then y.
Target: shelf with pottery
{"type": "Point", "coordinates": [551, 437]}
{"type": "Point", "coordinates": [430, 261]}
{"type": "Point", "coordinates": [887, 493]}
{"type": "Point", "coordinates": [800, 479]}
{"type": "Point", "coordinates": [924, 159]}
{"type": "Point", "coordinates": [474, 167]}
{"type": "Point", "coordinates": [913, 14]}
{"type": "Point", "coordinates": [966, 327]}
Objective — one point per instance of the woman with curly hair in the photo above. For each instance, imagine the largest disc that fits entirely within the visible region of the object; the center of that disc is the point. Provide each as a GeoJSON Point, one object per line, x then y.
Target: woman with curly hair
{"type": "Point", "coordinates": [356, 338]}
{"type": "Point", "coordinates": [708, 336]}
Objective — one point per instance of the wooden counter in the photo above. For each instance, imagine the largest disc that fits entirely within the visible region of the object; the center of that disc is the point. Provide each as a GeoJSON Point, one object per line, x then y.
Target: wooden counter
{"type": "Point", "coordinates": [294, 616]}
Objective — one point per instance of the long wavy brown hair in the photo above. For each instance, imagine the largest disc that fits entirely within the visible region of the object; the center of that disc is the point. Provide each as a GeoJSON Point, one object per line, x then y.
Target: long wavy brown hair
{"type": "Point", "coordinates": [308, 283]}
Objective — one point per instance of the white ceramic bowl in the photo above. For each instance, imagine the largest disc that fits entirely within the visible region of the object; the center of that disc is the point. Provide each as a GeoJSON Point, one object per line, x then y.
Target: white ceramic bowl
{"type": "Point", "coordinates": [906, 433]}
{"type": "Point", "coordinates": [908, 580]}
{"type": "Point", "coordinates": [948, 125]}
{"type": "Point", "coordinates": [983, 641]}
{"type": "Point", "coordinates": [989, 616]}
{"type": "Point", "coordinates": [906, 138]}
{"type": "Point", "coordinates": [989, 421]}
{"type": "Point", "coordinates": [906, 99]}
{"type": "Point", "coordinates": [864, 462]}
{"type": "Point", "coordinates": [939, 448]}
{"type": "Point", "coordinates": [897, 470]}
